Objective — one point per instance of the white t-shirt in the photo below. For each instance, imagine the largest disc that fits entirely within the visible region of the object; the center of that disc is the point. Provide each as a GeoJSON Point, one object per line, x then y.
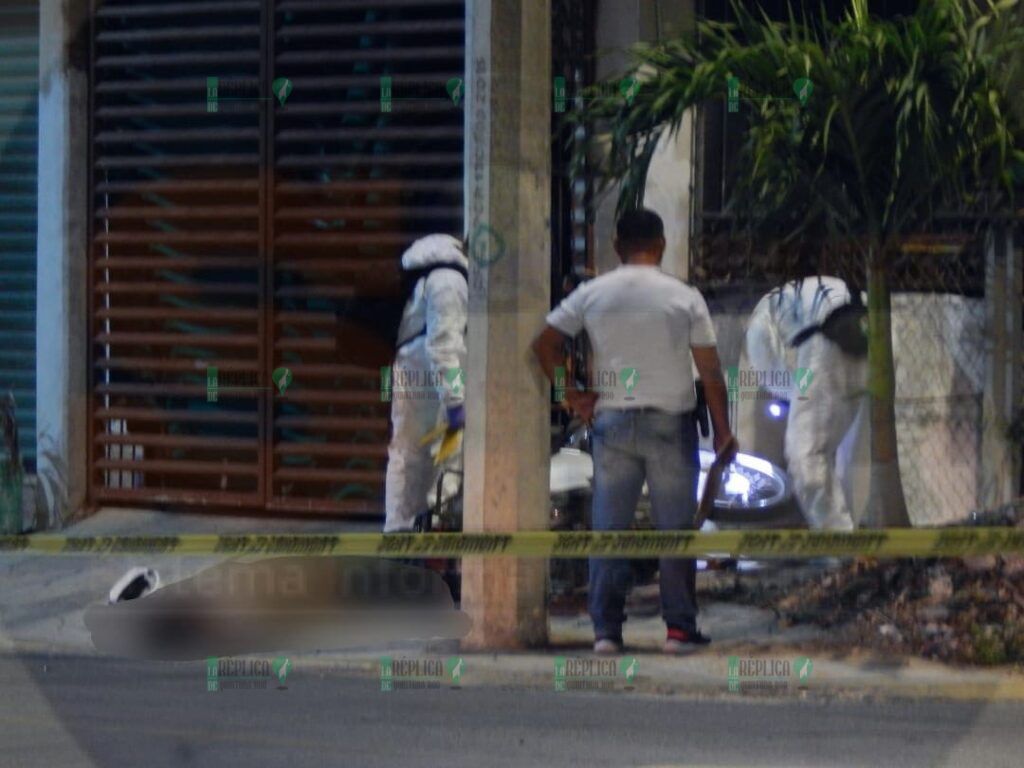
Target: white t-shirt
{"type": "Point", "coordinates": [641, 323]}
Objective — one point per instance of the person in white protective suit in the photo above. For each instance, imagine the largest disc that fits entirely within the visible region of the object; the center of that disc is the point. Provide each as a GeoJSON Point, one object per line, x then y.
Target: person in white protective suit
{"type": "Point", "coordinates": [796, 336]}
{"type": "Point", "coordinates": [427, 376]}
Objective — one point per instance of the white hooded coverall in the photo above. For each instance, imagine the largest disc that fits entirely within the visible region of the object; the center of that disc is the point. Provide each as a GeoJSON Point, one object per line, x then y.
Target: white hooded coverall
{"type": "Point", "coordinates": [423, 382]}
{"type": "Point", "coordinates": [825, 416]}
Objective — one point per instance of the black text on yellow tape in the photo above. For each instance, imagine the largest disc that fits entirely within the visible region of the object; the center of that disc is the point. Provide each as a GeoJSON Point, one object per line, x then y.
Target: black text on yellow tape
{"type": "Point", "coordinates": [893, 542]}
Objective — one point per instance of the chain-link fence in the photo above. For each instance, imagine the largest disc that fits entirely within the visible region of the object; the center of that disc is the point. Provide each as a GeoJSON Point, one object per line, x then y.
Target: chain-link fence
{"type": "Point", "coordinates": [939, 342]}
{"type": "Point", "coordinates": [942, 349]}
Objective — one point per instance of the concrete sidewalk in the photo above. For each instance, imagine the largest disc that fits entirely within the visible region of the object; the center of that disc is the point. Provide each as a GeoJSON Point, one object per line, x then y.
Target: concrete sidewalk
{"type": "Point", "coordinates": [43, 600]}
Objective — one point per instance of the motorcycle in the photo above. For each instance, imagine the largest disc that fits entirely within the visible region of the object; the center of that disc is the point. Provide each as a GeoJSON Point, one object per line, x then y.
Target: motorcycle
{"type": "Point", "coordinates": [754, 493]}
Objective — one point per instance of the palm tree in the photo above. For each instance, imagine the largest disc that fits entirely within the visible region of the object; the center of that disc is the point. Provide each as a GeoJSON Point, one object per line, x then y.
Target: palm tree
{"type": "Point", "coordinates": [908, 118]}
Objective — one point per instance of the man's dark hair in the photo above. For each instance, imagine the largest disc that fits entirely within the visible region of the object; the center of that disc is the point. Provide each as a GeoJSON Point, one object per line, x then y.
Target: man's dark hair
{"type": "Point", "coordinates": [640, 226]}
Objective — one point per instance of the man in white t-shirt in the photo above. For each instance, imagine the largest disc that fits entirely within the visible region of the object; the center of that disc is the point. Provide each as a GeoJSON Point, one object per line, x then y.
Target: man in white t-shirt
{"type": "Point", "coordinates": [644, 326]}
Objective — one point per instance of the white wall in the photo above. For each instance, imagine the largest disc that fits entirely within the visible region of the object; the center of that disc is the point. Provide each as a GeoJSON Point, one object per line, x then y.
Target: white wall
{"type": "Point", "coordinates": [620, 24]}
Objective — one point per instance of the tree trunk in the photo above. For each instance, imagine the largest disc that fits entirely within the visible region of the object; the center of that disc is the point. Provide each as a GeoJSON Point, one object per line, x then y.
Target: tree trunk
{"type": "Point", "coordinates": [886, 505]}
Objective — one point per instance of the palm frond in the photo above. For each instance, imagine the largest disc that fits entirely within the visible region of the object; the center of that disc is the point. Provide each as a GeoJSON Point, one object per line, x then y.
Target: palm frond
{"type": "Point", "coordinates": [908, 116]}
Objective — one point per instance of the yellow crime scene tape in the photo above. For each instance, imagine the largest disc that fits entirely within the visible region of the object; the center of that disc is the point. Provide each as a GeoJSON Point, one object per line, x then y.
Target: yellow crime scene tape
{"type": "Point", "coordinates": [893, 542]}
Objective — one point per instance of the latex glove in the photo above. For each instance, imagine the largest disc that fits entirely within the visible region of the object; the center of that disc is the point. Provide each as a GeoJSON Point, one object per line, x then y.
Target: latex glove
{"type": "Point", "coordinates": [456, 417]}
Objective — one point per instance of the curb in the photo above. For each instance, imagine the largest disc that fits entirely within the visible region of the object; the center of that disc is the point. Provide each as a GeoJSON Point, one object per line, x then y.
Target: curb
{"type": "Point", "coordinates": [697, 675]}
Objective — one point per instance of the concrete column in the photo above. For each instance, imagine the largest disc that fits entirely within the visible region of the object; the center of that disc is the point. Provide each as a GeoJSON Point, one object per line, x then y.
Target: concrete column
{"type": "Point", "coordinates": [507, 198]}
{"type": "Point", "coordinates": [61, 292]}
{"type": "Point", "coordinates": [1000, 465]}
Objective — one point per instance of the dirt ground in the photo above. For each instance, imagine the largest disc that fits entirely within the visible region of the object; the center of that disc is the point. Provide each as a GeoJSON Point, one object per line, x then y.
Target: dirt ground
{"type": "Point", "coordinates": [967, 611]}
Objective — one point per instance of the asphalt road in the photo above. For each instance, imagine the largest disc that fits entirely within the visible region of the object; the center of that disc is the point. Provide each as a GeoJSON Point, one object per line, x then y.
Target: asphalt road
{"type": "Point", "coordinates": [66, 711]}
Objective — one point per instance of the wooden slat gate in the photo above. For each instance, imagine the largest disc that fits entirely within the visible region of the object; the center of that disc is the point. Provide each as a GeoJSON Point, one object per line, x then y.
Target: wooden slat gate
{"type": "Point", "coordinates": [239, 229]}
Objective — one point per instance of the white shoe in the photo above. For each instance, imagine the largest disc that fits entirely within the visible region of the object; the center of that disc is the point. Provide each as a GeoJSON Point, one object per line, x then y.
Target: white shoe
{"type": "Point", "coordinates": [607, 647]}
{"type": "Point", "coordinates": [137, 582]}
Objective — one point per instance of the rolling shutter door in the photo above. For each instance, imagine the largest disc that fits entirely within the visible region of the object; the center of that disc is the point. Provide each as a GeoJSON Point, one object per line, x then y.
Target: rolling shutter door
{"type": "Point", "coordinates": [258, 235]}
{"type": "Point", "coordinates": [177, 277]}
{"type": "Point", "coordinates": [354, 186]}
{"type": "Point", "coordinates": [19, 110]}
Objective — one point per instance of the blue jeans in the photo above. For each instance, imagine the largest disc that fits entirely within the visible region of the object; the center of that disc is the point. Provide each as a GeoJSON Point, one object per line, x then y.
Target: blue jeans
{"type": "Point", "coordinates": [629, 446]}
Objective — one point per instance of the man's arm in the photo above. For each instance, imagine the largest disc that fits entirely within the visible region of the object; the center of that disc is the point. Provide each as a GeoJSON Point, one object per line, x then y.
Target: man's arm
{"type": "Point", "coordinates": [709, 368]}
{"type": "Point", "coordinates": [549, 347]}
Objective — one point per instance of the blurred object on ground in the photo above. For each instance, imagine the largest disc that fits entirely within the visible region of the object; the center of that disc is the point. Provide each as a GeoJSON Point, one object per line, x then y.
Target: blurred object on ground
{"type": "Point", "coordinates": [968, 610]}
